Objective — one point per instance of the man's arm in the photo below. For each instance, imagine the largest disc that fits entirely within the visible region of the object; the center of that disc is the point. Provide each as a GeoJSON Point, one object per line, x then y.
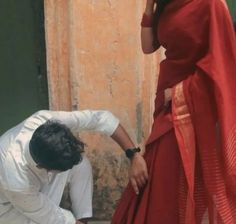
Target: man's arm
{"type": "Point", "coordinates": [101, 121]}
{"type": "Point", "coordinates": [138, 170]}
{"type": "Point", "coordinates": [105, 122]}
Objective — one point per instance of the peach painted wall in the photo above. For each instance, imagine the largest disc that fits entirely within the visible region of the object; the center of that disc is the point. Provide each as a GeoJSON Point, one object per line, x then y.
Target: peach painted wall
{"type": "Point", "coordinates": [95, 61]}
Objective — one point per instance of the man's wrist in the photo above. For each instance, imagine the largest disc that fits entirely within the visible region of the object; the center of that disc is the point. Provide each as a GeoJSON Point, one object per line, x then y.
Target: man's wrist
{"type": "Point", "coordinates": [136, 155]}
{"type": "Point", "coordinates": [131, 152]}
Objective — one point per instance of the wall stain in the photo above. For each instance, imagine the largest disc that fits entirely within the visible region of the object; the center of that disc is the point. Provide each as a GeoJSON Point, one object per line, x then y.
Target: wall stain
{"type": "Point", "coordinates": [139, 111]}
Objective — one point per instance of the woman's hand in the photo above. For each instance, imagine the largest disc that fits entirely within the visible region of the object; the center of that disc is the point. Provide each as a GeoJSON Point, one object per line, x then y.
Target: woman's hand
{"type": "Point", "coordinates": [168, 95]}
{"type": "Point", "coordinates": [149, 40]}
{"type": "Point", "coordinates": [150, 7]}
{"type": "Point", "coordinates": [151, 2]}
{"type": "Point", "coordinates": [138, 172]}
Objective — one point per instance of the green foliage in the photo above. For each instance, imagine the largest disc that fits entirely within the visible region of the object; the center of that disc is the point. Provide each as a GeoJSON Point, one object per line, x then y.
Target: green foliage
{"type": "Point", "coordinates": [232, 8]}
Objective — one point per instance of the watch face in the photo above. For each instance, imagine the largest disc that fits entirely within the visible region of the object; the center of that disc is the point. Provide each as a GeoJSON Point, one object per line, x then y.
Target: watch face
{"type": "Point", "coordinates": [130, 152]}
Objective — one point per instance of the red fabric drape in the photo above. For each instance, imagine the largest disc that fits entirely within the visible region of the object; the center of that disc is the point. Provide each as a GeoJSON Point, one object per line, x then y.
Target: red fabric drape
{"type": "Point", "coordinates": [201, 54]}
{"type": "Point", "coordinates": [211, 97]}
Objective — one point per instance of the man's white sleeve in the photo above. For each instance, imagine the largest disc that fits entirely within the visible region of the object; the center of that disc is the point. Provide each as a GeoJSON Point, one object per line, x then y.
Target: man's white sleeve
{"type": "Point", "coordinates": [91, 120]}
{"type": "Point", "coordinates": [39, 209]}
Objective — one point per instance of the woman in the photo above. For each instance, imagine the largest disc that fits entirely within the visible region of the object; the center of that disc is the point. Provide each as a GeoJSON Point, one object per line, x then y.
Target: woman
{"type": "Point", "coordinates": [191, 151]}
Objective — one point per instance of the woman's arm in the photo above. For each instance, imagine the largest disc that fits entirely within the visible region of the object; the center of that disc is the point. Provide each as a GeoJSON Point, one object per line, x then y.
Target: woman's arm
{"type": "Point", "coordinates": [148, 40]}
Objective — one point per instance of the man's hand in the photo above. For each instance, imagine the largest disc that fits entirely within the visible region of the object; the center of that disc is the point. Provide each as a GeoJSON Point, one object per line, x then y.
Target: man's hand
{"type": "Point", "coordinates": [80, 222]}
{"type": "Point", "coordinates": [138, 172]}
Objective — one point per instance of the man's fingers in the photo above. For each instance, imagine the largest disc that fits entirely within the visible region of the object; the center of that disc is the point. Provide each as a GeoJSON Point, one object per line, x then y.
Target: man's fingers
{"type": "Point", "coordinates": [144, 180]}
{"type": "Point", "coordinates": [145, 173]}
{"type": "Point", "coordinates": [134, 185]}
{"type": "Point", "coordinates": [138, 173]}
{"type": "Point", "coordinates": [140, 180]}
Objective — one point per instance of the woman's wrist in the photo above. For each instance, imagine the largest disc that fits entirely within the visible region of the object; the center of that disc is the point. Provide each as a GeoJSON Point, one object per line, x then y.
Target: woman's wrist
{"type": "Point", "coordinates": [149, 10]}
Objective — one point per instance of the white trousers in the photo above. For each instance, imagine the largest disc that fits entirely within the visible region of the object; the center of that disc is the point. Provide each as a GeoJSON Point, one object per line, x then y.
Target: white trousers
{"type": "Point", "coordinates": [80, 181]}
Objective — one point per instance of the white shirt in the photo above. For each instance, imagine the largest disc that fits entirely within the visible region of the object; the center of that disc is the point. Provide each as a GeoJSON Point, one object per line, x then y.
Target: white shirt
{"type": "Point", "coordinates": [21, 182]}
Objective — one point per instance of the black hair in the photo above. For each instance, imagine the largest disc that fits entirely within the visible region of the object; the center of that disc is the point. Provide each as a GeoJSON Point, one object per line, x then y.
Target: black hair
{"type": "Point", "coordinates": [54, 147]}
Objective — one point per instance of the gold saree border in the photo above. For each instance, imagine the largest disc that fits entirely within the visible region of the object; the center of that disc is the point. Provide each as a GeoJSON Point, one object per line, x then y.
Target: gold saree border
{"type": "Point", "coordinates": [185, 136]}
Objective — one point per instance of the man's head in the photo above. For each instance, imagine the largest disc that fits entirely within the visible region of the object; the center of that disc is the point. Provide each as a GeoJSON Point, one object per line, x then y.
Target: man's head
{"type": "Point", "coordinates": [54, 147]}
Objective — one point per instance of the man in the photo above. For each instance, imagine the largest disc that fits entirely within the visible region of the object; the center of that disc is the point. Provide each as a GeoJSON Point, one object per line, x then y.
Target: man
{"type": "Point", "coordinates": [40, 155]}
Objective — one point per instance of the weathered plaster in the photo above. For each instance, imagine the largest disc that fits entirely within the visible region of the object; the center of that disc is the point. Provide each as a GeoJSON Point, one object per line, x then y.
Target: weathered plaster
{"type": "Point", "coordinates": [95, 61]}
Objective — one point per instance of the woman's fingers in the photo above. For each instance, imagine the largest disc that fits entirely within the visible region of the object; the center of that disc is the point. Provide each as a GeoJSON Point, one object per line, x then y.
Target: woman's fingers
{"type": "Point", "coordinates": [168, 95]}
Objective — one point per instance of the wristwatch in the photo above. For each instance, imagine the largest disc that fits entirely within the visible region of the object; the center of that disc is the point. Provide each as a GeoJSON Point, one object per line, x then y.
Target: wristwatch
{"type": "Point", "coordinates": [130, 152]}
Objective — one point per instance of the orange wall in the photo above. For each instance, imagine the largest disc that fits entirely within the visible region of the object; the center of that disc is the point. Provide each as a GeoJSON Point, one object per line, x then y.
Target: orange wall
{"type": "Point", "coordinates": [95, 61]}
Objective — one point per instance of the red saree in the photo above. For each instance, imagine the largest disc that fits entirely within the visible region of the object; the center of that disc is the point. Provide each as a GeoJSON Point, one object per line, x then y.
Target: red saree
{"type": "Point", "coordinates": [191, 151]}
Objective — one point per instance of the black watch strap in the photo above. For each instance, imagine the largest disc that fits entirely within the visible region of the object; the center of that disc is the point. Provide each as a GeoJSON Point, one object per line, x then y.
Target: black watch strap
{"type": "Point", "coordinates": [130, 152]}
